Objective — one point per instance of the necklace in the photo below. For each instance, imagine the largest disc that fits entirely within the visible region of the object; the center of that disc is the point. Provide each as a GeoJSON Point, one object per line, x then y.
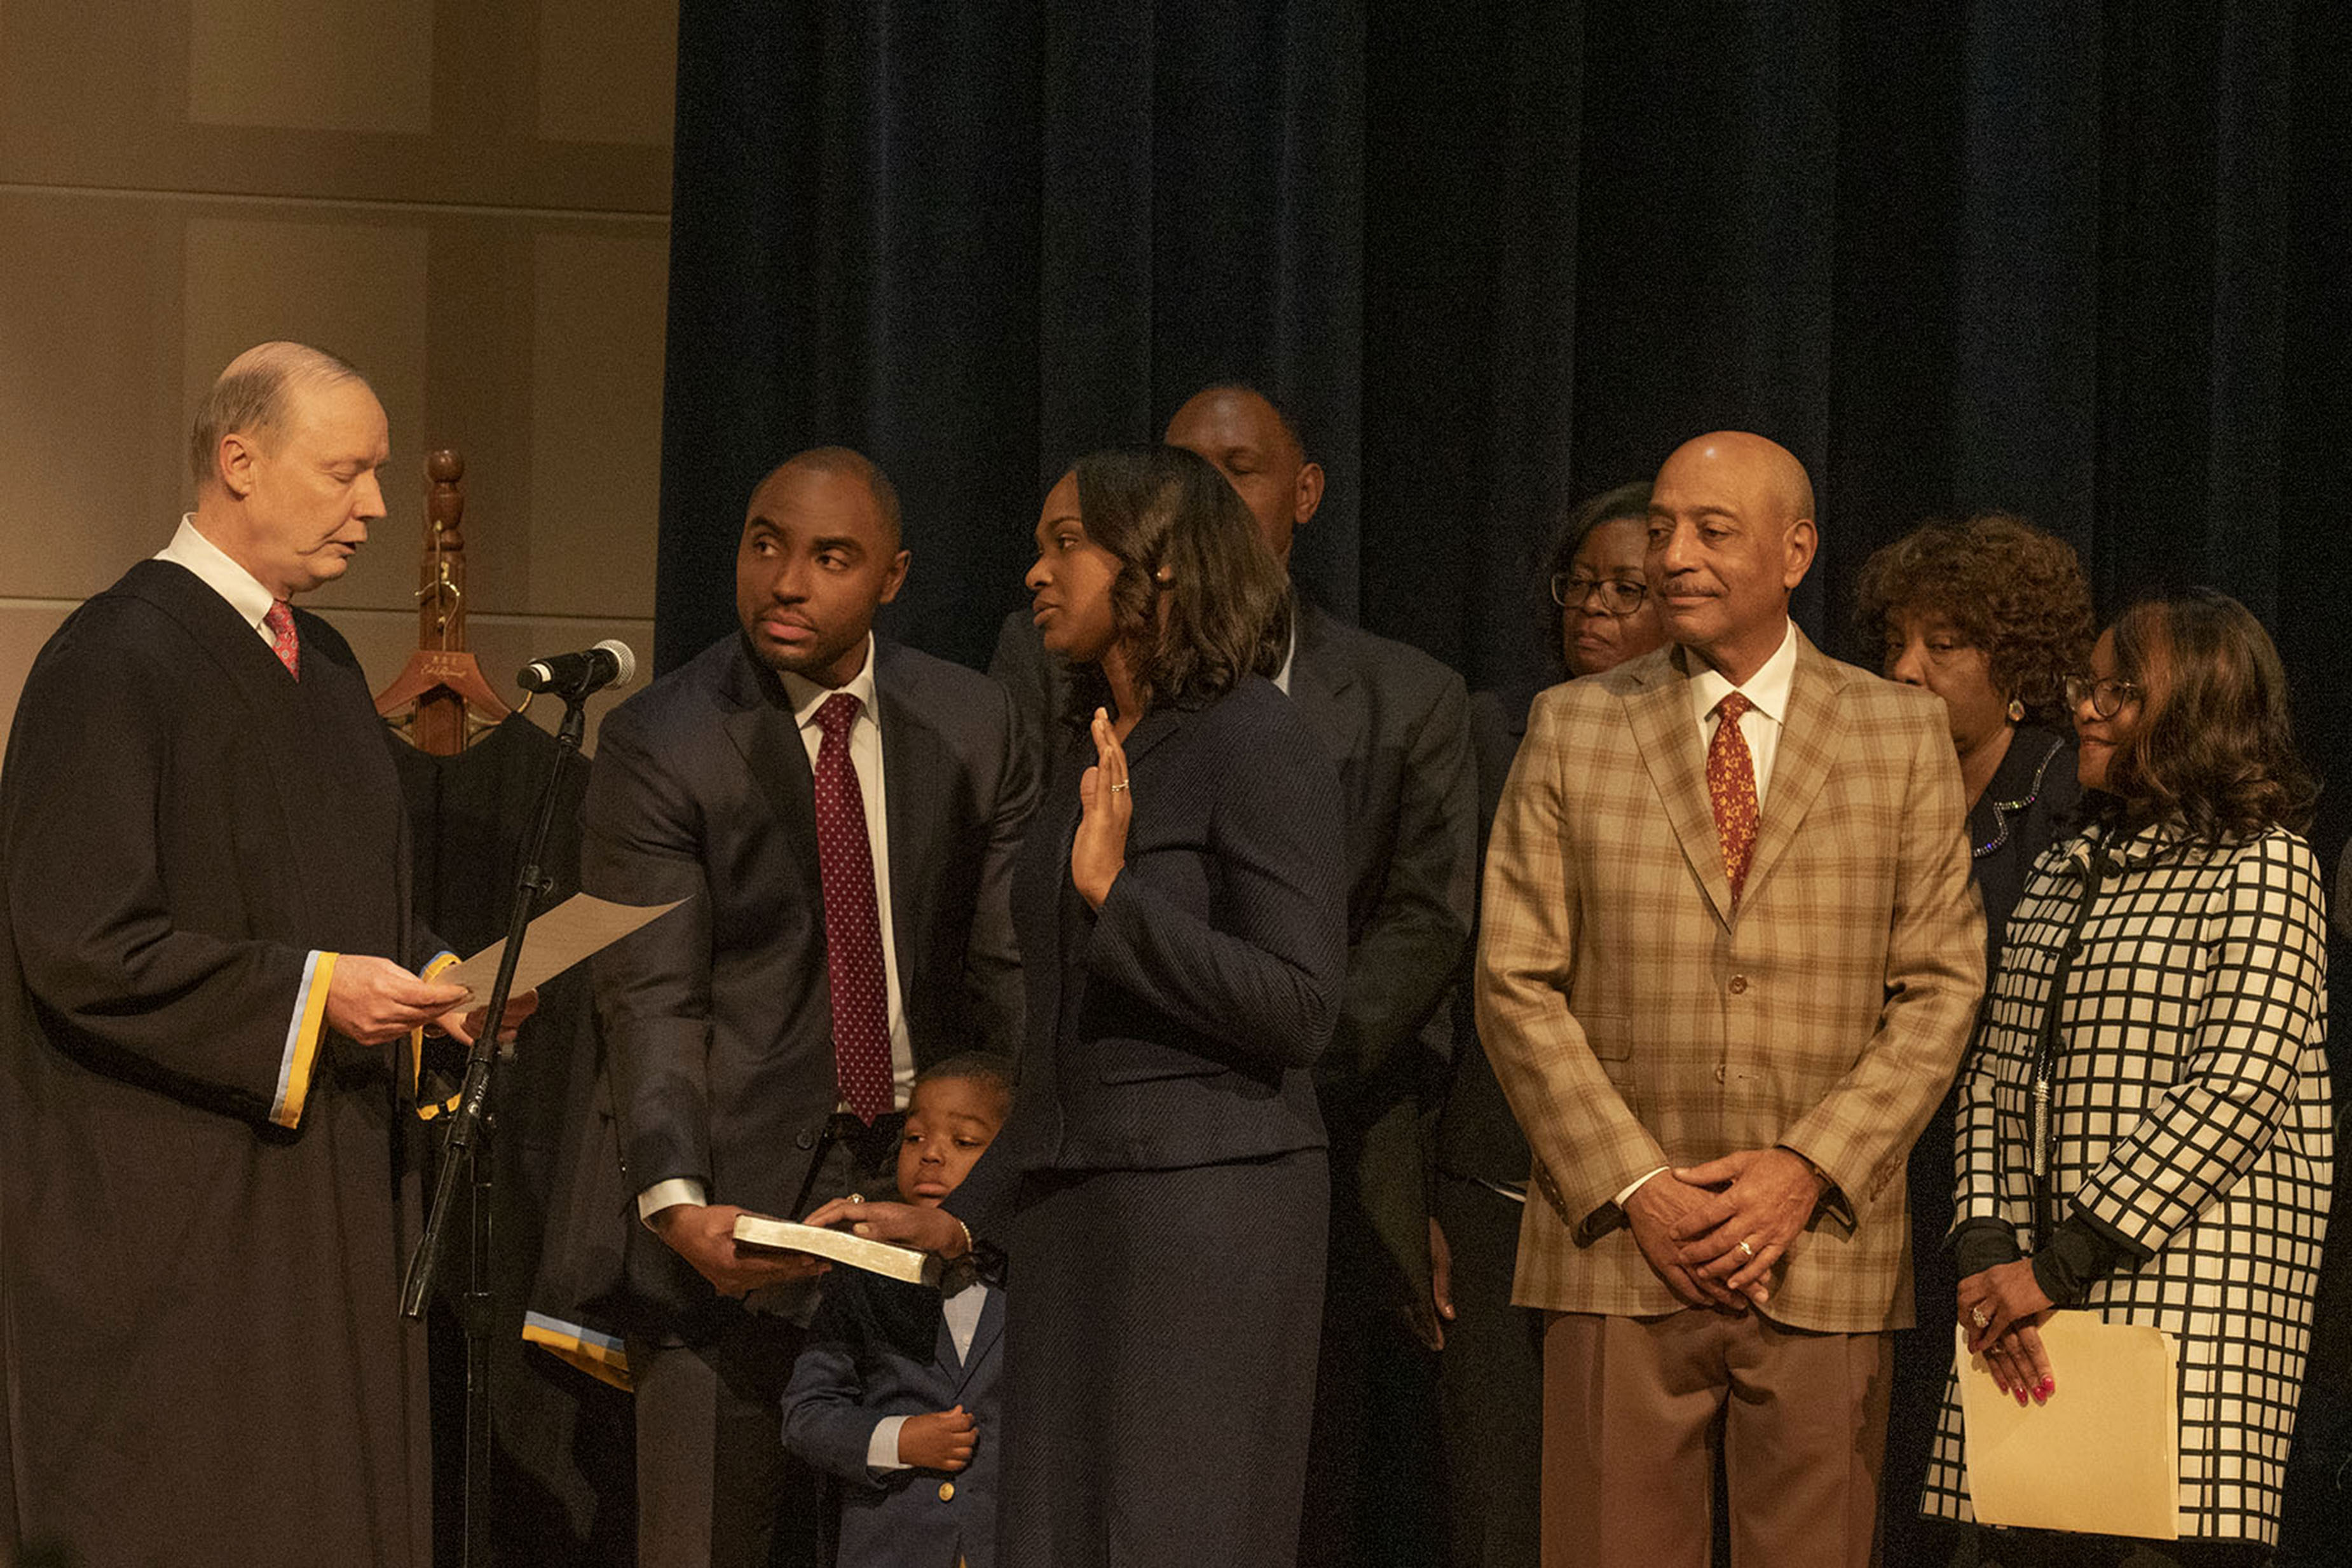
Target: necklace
{"type": "Point", "coordinates": [2001, 809]}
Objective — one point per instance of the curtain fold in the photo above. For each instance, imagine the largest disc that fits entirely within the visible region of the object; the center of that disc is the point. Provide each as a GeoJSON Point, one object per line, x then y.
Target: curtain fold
{"type": "Point", "coordinates": [2086, 262]}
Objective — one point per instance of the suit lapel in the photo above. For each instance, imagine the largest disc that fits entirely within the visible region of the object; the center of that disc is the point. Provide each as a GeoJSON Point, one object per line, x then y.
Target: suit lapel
{"type": "Point", "coordinates": [983, 1335]}
{"type": "Point", "coordinates": [1660, 715]}
{"type": "Point", "coordinates": [916, 760]}
{"type": "Point", "coordinates": [1812, 733]}
{"type": "Point", "coordinates": [1324, 689]}
{"type": "Point", "coordinates": [763, 730]}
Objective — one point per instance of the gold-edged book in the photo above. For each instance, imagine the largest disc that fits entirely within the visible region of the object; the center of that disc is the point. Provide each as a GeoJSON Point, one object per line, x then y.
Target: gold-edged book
{"type": "Point", "coordinates": [839, 1246]}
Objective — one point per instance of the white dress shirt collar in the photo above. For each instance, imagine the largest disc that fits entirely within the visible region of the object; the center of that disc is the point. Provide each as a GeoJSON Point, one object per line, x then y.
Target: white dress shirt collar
{"type": "Point", "coordinates": [806, 697]}
{"type": "Point", "coordinates": [1767, 689]}
{"type": "Point", "coordinates": [218, 571]}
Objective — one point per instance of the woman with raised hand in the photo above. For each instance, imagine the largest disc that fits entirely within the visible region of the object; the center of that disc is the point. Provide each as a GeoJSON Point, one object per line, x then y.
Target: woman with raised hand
{"type": "Point", "coordinates": [1159, 1194]}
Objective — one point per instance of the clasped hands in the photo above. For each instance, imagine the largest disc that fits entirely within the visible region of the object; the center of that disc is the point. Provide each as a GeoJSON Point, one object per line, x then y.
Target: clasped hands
{"type": "Point", "coordinates": [1713, 1232]}
{"type": "Point", "coordinates": [2003, 1309]}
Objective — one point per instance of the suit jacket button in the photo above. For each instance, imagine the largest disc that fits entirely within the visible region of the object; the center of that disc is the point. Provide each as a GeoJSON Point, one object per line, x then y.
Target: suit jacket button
{"type": "Point", "coordinates": [946, 1492]}
{"type": "Point", "coordinates": [804, 1140]}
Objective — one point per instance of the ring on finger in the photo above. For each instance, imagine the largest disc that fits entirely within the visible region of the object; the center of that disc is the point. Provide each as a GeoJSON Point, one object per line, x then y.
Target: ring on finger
{"type": "Point", "coordinates": [1121, 785]}
{"type": "Point", "coordinates": [1979, 1317]}
{"type": "Point", "coordinates": [1747, 1251]}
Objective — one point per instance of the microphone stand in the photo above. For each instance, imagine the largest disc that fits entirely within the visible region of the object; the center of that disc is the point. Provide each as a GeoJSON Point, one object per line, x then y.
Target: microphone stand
{"type": "Point", "coordinates": [466, 1149]}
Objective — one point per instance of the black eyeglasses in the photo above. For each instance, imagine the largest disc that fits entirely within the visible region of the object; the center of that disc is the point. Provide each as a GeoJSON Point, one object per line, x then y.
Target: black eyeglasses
{"type": "Point", "coordinates": [1619, 596]}
{"type": "Point", "coordinates": [2106, 697]}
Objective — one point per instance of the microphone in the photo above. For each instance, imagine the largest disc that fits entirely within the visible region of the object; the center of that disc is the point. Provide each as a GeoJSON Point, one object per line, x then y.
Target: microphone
{"type": "Point", "coordinates": [574, 675]}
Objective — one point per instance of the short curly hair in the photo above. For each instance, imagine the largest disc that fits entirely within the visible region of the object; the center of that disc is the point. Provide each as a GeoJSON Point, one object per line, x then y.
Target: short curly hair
{"type": "Point", "coordinates": [2006, 587]}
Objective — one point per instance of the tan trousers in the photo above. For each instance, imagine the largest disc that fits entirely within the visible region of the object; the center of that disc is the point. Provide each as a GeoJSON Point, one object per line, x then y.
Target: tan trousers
{"type": "Point", "coordinates": [1635, 1410]}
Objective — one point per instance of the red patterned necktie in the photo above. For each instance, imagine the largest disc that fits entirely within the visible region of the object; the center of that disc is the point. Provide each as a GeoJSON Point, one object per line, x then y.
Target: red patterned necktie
{"type": "Point", "coordinates": [1731, 787]}
{"type": "Point", "coordinates": [853, 923]}
{"type": "Point", "coordinates": [282, 640]}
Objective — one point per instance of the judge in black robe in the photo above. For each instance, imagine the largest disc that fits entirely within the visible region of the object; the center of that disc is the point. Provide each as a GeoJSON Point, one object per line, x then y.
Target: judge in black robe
{"type": "Point", "coordinates": [207, 1193]}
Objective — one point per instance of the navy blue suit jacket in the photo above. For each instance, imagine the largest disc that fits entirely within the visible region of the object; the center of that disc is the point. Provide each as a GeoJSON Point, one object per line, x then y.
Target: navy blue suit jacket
{"type": "Point", "coordinates": [1182, 1020]}
{"type": "Point", "coordinates": [881, 1348]}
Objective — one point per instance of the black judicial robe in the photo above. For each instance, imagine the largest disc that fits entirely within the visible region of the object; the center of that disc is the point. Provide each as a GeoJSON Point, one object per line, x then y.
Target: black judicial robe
{"type": "Point", "coordinates": [204, 1358]}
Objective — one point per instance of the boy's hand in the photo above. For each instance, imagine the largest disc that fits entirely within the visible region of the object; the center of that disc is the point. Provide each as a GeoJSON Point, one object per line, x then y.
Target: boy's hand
{"type": "Point", "coordinates": [941, 1441]}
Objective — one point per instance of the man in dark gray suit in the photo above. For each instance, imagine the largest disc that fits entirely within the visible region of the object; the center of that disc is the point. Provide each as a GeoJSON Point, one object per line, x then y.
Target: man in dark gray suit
{"type": "Point", "coordinates": [840, 815]}
{"type": "Point", "coordinates": [1396, 724]}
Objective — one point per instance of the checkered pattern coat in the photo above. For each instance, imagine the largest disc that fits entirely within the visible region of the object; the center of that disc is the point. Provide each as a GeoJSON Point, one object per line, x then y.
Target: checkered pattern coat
{"type": "Point", "coordinates": [1636, 1019]}
{"type": "Point", "coordinates": [2191, 1114]}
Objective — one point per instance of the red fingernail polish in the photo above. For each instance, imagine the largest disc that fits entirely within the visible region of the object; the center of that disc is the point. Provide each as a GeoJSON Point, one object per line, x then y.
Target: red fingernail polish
{"type": "Point", "coordinates": [2021, 1398]}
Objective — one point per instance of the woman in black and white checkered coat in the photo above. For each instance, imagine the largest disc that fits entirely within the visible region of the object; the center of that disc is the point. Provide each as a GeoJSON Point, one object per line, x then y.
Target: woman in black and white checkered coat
{"type": "Point", "coordinates": [2189, 1153]}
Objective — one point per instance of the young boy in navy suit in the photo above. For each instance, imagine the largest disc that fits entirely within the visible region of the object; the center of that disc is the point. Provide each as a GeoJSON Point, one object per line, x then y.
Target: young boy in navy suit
{"type": "Point", "coordinates": [896, 1391]}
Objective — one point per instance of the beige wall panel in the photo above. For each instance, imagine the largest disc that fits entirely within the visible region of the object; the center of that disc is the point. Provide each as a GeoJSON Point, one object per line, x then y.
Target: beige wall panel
{"type": "Point", "coordinates": [89, 469]}
{"type": "Point", "coordinates": [23, 629]}
{"type": "Point", "coordinates": [115, 93]}
{"type": "Point", "coordinates": [357, 288]}
{"type": "Point", "coordinates": [598, 311]}
{"type": "Point", "coordinates": [608, 72]}
{"type": "Point", "coordinates": [323, 64]}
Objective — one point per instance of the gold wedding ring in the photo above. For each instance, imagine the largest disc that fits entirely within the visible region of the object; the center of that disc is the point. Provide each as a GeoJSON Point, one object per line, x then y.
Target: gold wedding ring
{"type": "Point", "coordinates": [1121, 785]}
{"type": "Point", "coordinates": [1977, 1316]}
{"type": "Point", "coordinates": [1747, 1251]}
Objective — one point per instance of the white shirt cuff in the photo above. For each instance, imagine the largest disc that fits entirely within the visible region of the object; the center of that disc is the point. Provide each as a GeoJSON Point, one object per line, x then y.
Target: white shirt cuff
{"type": "Point", "coordinates": [1631, 1188]}
{"type": "Point", "coordinates": [882, 1448]}
{"type": "Point", "coordinates": [668, 1193]}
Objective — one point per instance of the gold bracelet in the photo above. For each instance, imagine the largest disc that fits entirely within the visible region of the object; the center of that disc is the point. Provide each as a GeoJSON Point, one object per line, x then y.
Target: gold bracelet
{"type": "Point", "coordinates": [967, 1246]}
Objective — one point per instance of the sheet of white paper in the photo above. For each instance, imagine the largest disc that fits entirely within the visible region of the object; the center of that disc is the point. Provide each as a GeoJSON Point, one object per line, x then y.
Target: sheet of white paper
{"type": "Point", "coordinates": [2103, 1455]}
{"type": "Point", "coordinates": [552, 944]}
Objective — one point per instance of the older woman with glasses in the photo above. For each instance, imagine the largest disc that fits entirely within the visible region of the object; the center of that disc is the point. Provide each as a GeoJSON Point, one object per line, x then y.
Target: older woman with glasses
{"type": "Point", "coordinates": [1594, 613]}
{"type": "Point", "coordinates": [2145, 1129]}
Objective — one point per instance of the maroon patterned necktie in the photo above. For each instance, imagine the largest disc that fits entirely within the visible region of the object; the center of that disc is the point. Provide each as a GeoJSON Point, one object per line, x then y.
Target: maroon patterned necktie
{"type": "Point", "coordinates": [853, 923]}
{"type": "Point", "coordinates": [282, 640]}
{"type": "Point", "coordinates": [1731, 787]}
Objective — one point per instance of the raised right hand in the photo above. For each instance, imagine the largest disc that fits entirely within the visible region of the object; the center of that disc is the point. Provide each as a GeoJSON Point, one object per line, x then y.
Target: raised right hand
{"type": "Point", "coordinates": [940, 1440]}
{"type": "Point", "coordinates": [374, 1000]}
{"type": "Point", "coordinates": [704, 1235]}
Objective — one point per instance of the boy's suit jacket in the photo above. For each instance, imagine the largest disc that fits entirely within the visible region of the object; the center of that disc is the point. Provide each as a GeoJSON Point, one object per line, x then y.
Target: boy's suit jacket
{"type": "Point", "coordinates": [881, 1348]}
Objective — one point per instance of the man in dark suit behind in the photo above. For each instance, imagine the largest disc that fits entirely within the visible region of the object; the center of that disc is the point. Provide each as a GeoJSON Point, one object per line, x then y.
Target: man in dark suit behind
{"type": "Point", "coordinates": [1395, 722]}
{"type": "Point", "coordinates": [840, 815]}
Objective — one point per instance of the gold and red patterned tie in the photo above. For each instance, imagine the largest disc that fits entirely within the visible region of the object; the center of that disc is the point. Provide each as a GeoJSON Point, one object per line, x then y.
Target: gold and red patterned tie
{"type": "Point", "coordinates": [1731, 787]}
{"type": "Point", "coordinates": [283, 643]}
{"type": "Point", "coordinates": [853, 921]}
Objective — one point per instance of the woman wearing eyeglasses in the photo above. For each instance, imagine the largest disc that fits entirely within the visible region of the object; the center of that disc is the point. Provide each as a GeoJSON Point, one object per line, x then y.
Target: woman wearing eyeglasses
{"type": "Point", "coordinates": [1594, 611]}
{"type": "Point", "coordinates": [2145, 1124]}
{"type": "Point", "coordinates": [1990, 614]}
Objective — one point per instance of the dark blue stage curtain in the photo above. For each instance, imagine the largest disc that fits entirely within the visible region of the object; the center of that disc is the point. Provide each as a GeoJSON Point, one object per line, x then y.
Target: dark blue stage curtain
{"type": "Point", "coordinates": [2090, 262]}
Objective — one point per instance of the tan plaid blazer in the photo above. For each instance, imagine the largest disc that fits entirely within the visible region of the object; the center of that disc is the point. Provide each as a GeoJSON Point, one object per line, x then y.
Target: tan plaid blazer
{"type": "Point", "coordinates": [1636, 1021]}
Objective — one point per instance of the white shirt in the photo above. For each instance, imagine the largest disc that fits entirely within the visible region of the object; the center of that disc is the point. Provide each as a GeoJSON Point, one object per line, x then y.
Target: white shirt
{"type": "Point", "coordinates": [865, 756]}
{"type": "Point", "coordinates": [190, 549]}
{"type": "Point", "coordinates": [1767, 691]}
{"type": "Point", "coordinates": [962, 1313]}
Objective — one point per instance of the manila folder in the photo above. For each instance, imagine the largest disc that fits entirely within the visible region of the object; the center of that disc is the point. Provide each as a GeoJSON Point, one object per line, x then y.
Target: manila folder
{"type": "Point", "coordinates": [857, 1251]}
{"type": "Point", "coordinates": [2103, 1456]}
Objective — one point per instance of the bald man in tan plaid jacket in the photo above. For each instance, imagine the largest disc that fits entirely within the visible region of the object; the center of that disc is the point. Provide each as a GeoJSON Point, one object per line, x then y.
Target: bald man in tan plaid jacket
{"type": "Point", "coordinates": [1722, 1017]}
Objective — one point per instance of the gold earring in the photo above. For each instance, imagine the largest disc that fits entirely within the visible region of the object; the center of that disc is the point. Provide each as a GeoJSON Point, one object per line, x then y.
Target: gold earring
{"type": "Point", "coordinates": [2016, 710]}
